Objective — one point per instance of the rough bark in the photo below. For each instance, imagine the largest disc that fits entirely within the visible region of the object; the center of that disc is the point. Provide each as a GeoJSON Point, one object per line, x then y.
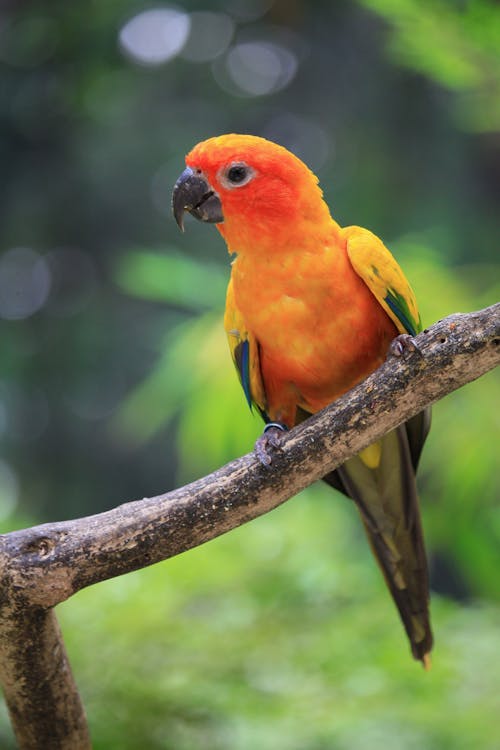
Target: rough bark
{"type": "Point", "coordinates": [44, 565]}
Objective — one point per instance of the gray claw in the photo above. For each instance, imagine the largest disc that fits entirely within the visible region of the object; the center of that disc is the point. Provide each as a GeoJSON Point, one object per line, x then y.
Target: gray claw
{"type": "Point", "coordinates": [269, 442]}
{"type": "Point", "coordinates": [403, 343]}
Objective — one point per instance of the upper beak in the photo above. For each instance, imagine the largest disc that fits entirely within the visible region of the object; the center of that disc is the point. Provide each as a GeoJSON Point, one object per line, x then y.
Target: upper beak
{"type": "Point", "coordinates": [193, 193]}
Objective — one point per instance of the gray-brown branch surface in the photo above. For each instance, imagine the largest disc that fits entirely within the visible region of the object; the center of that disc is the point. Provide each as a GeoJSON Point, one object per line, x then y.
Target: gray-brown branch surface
{"type": "Point", "coordinates": [44, 565]}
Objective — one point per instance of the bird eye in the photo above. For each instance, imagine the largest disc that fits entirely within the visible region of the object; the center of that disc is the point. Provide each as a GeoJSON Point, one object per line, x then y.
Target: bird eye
{"type": "Point", "coordinates": [237, 175]}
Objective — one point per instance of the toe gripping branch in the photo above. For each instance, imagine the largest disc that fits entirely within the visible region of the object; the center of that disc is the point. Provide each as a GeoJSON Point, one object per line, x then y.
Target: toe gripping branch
{"type": "Point", "coordinates": [402, 344]}
{"type": "Point", "coordinates": [269, 442]}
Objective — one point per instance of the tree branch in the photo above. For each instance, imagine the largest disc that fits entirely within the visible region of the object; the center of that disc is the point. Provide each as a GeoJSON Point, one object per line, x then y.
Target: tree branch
{"type": "Point", "coordinates": [44, 565]}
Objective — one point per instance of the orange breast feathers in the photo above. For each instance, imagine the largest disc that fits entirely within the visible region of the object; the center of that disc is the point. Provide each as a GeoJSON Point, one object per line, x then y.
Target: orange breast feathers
{"type": "Point", "coordinates": [320, 330]}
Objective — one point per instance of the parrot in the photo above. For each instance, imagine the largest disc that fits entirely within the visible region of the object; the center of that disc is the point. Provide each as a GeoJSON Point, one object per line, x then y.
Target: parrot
{"type": "Point", "coordinates": [312, 308]}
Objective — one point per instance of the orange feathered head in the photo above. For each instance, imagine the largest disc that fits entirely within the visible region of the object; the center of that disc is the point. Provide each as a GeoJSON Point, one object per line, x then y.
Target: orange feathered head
{"type": "Point", "coordinates": [252, 188]}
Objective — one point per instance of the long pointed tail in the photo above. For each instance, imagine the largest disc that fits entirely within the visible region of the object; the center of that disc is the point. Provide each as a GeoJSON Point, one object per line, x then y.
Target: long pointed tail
{"type": "Point", "coordinates": [386, 497]}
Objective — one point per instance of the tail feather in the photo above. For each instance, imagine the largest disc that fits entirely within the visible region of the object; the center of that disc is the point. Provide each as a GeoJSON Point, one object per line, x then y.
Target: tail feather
{"type": "Point", "coordinates": [387, 501]}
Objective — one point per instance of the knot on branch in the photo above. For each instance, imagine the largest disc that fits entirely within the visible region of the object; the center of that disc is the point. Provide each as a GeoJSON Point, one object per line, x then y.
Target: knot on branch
{"type": "Point", "coordinates": [41, 547]}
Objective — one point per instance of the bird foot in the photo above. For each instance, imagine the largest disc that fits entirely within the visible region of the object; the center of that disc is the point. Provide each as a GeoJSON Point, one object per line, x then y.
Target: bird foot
{"type": "Point", "coordinates": [403, 343]}
{"type": "Point", "coordinates": [269, 442]}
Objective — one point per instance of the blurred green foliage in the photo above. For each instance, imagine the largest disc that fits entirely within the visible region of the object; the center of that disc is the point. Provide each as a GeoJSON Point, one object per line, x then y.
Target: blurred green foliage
{"type": "Point", "coordinates": [281, 636]}
{"type": "Point", "coordinates": [116, 381]}
{"type": "Point", "coordinates": [456, 44]}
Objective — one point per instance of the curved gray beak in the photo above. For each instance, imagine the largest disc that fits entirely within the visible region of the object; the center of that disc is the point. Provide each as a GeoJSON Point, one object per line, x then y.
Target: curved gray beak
{"type": "Point", "coordinates": [193, 193]}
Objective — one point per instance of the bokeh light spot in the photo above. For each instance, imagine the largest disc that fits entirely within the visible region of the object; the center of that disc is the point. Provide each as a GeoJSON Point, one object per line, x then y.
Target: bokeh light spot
{"type": "Point", "coordinates": [210, 36]}
{"type": "Point", "coordinates": [155, 36]}
{"type": "Point", "coordinates": [24, 283]}
{"type": "Point", "coordinates": [259, 68]}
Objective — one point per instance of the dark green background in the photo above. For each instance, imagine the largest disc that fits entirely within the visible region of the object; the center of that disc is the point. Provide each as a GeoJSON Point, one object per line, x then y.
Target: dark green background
{"type": "Point", "coordinates": [115, 382]}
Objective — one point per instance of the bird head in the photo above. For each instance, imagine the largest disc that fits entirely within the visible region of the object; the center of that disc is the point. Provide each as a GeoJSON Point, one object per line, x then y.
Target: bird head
{"type": "Point", "coordinates": [251, 188]}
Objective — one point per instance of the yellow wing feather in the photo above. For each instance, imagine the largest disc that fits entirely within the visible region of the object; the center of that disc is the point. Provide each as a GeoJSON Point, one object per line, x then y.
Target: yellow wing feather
{"type": "Point", "coordinates": [373, 262]}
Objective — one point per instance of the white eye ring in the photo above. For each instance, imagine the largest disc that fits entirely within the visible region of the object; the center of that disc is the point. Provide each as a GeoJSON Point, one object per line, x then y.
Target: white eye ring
{"type": "Point", "coordinates": [235, 175]}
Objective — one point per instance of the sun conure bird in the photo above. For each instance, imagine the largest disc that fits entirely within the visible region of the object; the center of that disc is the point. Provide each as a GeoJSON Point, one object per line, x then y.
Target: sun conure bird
{"type": "Point", "coordinates": [311, 310]}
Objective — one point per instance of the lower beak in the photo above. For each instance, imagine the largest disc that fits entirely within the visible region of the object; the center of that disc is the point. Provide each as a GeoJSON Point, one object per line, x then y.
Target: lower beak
{"type": "Point", "coordinates": [193, 193]}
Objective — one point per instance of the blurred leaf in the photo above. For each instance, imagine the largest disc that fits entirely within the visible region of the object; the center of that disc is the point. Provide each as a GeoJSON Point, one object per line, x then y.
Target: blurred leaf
{"type": "Point", "coordinates": [167, 389]}
{"type": "Point", "coordinates": [173, 278]}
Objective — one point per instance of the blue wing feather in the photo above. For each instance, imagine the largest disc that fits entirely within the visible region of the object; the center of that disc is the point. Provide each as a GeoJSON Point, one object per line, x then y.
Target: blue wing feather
{"type": "Point", "coordinates": [242, 361]}
{"type": "Point", "coordinates": [392, 301]}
